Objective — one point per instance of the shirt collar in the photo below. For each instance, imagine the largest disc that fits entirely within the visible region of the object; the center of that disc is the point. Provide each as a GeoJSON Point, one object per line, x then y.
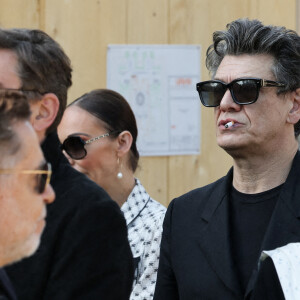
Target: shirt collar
{"type": "Point", "coordinates": [135, 203]}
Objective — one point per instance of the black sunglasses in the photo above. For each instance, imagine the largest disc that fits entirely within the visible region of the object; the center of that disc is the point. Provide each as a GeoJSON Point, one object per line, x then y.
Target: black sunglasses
{"type": "Point", "coordinates": [43, 175]}
{"type": "Point", "coordinates": [243, 91]}
{"type": "Point", "coordinates": [74, 145]}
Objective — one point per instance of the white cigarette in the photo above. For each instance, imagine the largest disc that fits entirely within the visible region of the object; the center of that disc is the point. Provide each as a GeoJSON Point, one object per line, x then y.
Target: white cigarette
{"type": "Point", "coordinates": [229, 124]}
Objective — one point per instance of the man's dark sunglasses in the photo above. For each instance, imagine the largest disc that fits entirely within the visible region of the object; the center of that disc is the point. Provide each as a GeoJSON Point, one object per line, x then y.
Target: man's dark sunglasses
{"type": "Point", "coordinates": [243, 91]}
{"type": "Point", "coordinates": [74, 145]}
{"type": "Point", "coordinates": [43, 175]}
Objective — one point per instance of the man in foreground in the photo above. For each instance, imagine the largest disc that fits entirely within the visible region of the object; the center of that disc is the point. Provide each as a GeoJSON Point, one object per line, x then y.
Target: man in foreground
{"type": "Point", "coordinates": [24, 189]}
{"type": "Point", "coordinates": [213, 236]}
{"type": "Point", "coordinates": [84, 251]}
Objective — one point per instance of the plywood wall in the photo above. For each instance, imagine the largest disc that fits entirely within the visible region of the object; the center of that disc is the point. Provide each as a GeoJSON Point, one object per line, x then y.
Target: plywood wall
{"type": "Point", "coordinates": [85, 28]}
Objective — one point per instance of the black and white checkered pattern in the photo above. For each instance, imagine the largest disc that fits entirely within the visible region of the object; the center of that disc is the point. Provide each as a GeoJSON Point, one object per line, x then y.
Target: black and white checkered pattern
{"type": "Point", "coordinates": [144, 217]}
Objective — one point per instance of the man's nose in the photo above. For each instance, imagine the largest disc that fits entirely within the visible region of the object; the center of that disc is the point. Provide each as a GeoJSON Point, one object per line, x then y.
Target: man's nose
{"type": "Point", "coordinates": [48, 194]}
{"type": "Point", "coordinates": [227, 102]}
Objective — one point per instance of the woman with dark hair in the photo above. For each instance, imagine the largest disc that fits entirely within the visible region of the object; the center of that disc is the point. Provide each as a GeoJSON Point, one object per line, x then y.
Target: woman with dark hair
{"type": "Point", "coordinates": [98, 133]}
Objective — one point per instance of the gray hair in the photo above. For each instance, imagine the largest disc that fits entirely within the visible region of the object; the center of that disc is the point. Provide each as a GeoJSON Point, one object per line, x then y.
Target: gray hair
{"type": "Point", "coordinates": [244, 36]}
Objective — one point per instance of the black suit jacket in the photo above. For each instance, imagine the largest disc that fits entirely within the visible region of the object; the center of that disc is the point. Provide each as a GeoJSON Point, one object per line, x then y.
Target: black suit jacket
{"type": "Point", "coordinates": [6, 289]}
{"type": "Point", "coordinates": [196, 260]}
{"type": "Point", "coordinates": [84, 251]}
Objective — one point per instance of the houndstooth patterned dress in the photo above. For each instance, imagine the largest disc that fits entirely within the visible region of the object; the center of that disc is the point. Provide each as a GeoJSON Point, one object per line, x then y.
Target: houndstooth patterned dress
{"type": "Point", "coordinates": [144, 217]}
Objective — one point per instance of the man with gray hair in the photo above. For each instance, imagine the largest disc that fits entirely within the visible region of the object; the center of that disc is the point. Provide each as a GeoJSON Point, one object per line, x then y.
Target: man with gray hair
{"type": "Point", "coordinates": [214, 236]}
{"type": "Point", "coordinates": [24, 185]}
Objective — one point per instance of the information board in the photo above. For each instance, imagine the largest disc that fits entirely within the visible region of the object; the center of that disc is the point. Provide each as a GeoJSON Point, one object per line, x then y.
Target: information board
{"type": "Point", "coordinates": [159, 82]}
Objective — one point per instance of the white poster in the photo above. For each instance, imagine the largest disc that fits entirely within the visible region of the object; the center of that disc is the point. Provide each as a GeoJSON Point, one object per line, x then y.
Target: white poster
{"type": "Point", "coordinates": [159, 82]}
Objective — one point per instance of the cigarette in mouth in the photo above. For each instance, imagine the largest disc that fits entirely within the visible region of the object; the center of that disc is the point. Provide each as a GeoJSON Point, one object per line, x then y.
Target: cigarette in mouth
{"type": "Point", "coordinates": [229, 124]}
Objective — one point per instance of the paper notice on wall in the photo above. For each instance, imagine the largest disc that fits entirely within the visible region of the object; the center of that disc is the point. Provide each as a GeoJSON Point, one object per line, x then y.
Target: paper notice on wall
{"type": "Point", "coordinates": [159, 82]}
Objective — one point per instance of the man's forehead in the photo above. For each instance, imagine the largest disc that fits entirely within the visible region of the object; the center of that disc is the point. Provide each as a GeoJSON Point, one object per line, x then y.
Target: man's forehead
{"type": "Point", "coordinates": [9, 77]}
{"type": "Point", "coordinates": [238, 66]}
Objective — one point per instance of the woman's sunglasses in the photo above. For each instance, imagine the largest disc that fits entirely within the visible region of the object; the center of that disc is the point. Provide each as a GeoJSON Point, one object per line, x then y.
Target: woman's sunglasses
{"type": "Point", "coordinates": [243, 91]}
{"type": "Point", "coordinates": [43, 175]}
{"type": "Point", "coordinates": [74, 145]}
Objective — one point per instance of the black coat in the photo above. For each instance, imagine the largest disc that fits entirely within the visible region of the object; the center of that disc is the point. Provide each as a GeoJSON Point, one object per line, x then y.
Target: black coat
{"type": "Point", "coordinates": [84, 252]}
{"type": "Point", "coordinates": [196, 261]}
{"type": "Point", "coordinates": [6, 289]}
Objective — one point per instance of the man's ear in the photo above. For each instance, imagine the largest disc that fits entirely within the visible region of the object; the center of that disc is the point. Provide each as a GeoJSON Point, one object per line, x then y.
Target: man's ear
{"type": "Point", "coordinates": [294, 113]}
{"type": "Point", "coordinates": [44, 112]}
{"type": "Point", "coordinates": [124, 143]}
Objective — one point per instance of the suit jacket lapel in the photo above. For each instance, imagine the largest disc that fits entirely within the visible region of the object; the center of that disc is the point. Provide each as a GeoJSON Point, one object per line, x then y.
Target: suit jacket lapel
{"type": "Point", "coordinates": [284, 226]}
{"type": "Point", "coordinates": [215, 237]}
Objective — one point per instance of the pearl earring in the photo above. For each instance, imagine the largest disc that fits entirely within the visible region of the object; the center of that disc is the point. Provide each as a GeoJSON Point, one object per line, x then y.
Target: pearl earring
{"type": "Point", "coordinates": [120, 174]}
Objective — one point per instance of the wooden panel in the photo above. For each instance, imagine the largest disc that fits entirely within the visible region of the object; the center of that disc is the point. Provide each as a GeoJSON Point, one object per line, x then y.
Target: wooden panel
{"type": "Point", "coordinates": [298, 16]}
{"type": "Point", "coordinates": [193, 22]}
{"type": "Point", "coordinates": [84, 29]}
{"type": "Point", "coordinates": [275, 12]}
{"type": "Point", "coordinates": [19, 13]}
{"type": "Point", "coordinates": [153, 173]}
{"type": "Point", "coordinates": [148, 23]}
